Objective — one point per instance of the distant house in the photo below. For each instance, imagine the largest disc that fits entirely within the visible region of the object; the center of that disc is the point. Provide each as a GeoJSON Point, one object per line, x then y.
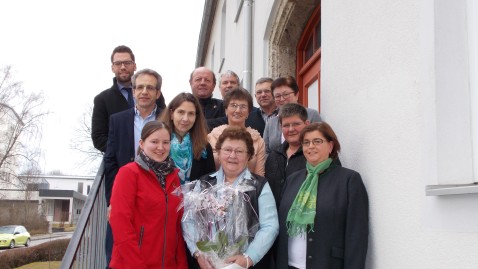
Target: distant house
{"type": "Point", "coordinates": [59, 198]}
{"type": "Point", "coordinates": [398, 82]}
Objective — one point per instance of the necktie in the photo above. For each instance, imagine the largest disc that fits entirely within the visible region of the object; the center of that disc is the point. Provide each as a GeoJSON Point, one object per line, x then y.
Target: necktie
{"type": "Point", "coordinates": [130, 97]}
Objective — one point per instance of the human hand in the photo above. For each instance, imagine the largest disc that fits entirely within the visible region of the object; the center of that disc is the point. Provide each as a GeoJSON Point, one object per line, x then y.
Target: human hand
{"type": "Point", "coordinates": [204, 262]}
{"type": "Point", "coordinates": [241, 260]}
{"type": "Point", "coordinates": [108, 212]}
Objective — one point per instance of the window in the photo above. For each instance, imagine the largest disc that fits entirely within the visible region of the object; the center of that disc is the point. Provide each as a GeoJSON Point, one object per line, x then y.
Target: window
{"type": "Point", "coordinates": [456, 91]}
{"type": "Point", "coordinates": [308, 62]}
{"type": "Point", "coordinates": [223, 37]}
{"type": "Point", "coordinates": [472, 17]}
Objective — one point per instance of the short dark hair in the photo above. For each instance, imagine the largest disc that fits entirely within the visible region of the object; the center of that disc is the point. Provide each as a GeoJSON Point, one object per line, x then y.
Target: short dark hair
{"type": "Point", "coordinates": [238, 94]}
{"type": "Point", "coordinates": [236, 133]}
{"type": "Point", "coordinates": [152, 127]}
{"type": "Point", "coordinates": [198, 131]}
{"type": "Point", "coordinates": [264, 79]}
{"type": "Point", "coordinates": [121, 49]}
{"type": "Point", "coordinates": [292, 109]}
{"type": "Point", "coordinates": [329, 134]}
{"type": "Point", "coordinates": [288, 81]}
{"type": "Point", "coordinates": [148, 72]}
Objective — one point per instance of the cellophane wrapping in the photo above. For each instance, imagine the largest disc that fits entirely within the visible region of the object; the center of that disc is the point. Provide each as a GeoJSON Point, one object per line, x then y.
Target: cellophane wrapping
{"type": "Point", "coordinates": [219, 219]}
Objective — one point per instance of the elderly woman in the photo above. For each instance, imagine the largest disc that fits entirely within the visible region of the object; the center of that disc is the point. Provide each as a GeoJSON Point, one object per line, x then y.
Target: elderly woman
{"type": "Point", "coordinates": [190, 150]}
{"type": "Point", "coordinates": [234, 149]}
{"type": "Point", "coordinates": [323, 214]}
{"type": "Point", "coordinates": [144, 217]}
{"type": "Point", "coordinates": [238, 104]}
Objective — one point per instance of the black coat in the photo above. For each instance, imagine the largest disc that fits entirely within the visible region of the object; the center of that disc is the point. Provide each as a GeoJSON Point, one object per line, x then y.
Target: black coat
{"type": "Point", "coordinates": [212, 108]}
{"type": "Point", "coordinates": [340, 236]}
{"type": "Point", "coordinates": [105, 104]}
{"type": "Point", "coordinates": [278, 168]}
{"type": "Point", "coordinates": [202, 166]}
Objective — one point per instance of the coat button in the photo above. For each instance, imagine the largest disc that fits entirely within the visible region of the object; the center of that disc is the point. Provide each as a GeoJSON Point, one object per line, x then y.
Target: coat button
{"type": "Point", "coordinates": [131, 159]}
{"type": "Point", "coordinates": [309, 257]}
{"type": "Point", "coordinates": [310, 239]}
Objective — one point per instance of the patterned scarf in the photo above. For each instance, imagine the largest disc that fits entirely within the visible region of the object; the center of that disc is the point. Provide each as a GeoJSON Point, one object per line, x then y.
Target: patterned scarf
{"type": "Point", "coordinates": [182, 155]}
{"type": "Point", "coordinates": [301, 215]}
{"type": "Point", "coordinates": [160, 169]}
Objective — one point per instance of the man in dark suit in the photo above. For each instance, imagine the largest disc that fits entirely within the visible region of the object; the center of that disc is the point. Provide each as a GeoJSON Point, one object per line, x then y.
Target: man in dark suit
{"type": "Point", "coordinates": [125, 131]}
{"type": "Point", "coordinates": [115, 99]}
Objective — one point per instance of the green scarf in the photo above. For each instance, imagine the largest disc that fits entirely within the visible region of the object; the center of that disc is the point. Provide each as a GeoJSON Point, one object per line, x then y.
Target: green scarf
{"type": "Point", "coordinates": [301, 215]}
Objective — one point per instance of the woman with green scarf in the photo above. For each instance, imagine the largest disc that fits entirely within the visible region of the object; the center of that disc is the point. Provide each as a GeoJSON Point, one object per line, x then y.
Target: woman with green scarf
{"type": "Point", "coordinates": [323, 214]}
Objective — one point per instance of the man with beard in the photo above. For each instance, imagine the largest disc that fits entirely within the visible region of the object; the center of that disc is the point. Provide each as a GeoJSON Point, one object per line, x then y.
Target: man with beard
{"type": "Point", "coordinates": [117, 98]}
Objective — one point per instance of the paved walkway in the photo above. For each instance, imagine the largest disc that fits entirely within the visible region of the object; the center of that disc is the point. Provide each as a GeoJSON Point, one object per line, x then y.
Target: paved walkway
{"type": "Point", "coordinates": [46, 236]}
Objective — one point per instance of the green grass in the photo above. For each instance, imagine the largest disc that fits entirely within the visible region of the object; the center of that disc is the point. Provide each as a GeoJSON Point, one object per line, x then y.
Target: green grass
{"type": "Point", "coordinates": [42, 265]}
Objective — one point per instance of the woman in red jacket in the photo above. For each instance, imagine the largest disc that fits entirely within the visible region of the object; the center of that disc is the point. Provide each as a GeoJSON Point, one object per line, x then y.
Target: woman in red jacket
{"type": "Point", "coordinates": [144, 217]}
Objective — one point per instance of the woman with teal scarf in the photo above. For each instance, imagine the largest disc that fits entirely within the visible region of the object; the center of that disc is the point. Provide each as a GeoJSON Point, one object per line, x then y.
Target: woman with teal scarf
{"type": "Point", "coordinates": [323, 213]}
{"type": "Point", "coordinates": [190, 149]}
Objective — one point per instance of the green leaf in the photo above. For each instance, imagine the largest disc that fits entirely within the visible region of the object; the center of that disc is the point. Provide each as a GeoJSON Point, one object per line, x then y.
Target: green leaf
{"type": "Point", "coordinates": [206, 246]}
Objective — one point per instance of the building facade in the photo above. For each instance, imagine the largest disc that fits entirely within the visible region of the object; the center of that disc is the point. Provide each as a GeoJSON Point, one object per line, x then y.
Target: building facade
{"type": "Point", "coordinates": [398, 82]}
{"type": "Point", "coordinates": [58, 198]}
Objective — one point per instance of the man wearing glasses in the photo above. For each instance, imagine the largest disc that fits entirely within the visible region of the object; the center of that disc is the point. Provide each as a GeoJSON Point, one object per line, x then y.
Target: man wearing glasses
{"type": "Point", "coordinates": [263, 92]}
{"type": "Point", "coordinates": [117, 98]}
{"type": "Point", "coordinates": [284, 90]}
{"type": "Point", "coordinates": [125, 132]}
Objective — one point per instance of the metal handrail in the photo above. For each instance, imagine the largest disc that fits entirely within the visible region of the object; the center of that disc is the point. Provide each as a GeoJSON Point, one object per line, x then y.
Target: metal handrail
{"type": "Point", "coordinates": [87, 245]}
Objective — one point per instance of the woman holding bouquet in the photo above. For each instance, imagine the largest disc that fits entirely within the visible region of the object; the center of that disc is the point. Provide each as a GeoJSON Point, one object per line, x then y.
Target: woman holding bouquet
{"type": "Point", "coordinates": [323, 213]}
{"type": "Point", "coordinates": [235, 148]}
{"type": "Point", "coordinates": [144, 217]}
{"type": "Point", "coordinates": [190, 151]}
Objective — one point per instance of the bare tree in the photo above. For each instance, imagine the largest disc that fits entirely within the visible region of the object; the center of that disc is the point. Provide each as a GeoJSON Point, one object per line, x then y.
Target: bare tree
{"type": "Point", "coordinates": [20, 125]}
{"type": "Point", "coordinates": [82, 143]}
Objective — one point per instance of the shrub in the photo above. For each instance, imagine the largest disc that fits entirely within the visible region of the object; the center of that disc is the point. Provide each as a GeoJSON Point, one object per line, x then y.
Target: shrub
{"type": "Point", "coordinates": [49, 251]}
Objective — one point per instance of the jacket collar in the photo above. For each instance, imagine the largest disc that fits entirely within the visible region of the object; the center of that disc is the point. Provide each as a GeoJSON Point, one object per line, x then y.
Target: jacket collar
{"type": "Point", "coordinates": [141, 163]}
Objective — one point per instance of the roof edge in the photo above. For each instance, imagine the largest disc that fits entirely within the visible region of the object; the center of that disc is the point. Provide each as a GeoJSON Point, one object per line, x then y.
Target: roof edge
{"type": "Point", "coordinates": [205, 33]}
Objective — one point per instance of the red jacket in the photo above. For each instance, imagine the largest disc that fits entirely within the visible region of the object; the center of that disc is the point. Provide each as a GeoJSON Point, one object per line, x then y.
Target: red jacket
{"type": "Point", "coordinates": [145, 220]}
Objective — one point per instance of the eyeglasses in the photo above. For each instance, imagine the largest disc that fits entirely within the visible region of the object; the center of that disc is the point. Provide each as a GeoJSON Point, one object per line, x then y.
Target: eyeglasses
{"type": "Point", "coordinates": [235, 106]}
{"type": "Point", "coordinates": [260, 92]}
{"type": "Point", "coordinates": [229, 151]}
{"type": "Point", "coordinates": [293, 125]}
{"type": "Point", "coordinates": [148, 88]}
{"type": "Point", "coordinates": [284, 96]}
{"type": "Point", "coordinates": [125, 63]}
{"type": "Point", "coordinates": [316, 142]}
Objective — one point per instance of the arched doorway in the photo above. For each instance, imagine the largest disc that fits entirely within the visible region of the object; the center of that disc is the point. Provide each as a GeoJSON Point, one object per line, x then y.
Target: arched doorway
{"type": "Point", "coordinates": [308, 62]}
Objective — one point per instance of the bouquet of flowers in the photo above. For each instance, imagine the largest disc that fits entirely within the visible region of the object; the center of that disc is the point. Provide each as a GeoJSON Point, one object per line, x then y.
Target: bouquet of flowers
{"type": "Point", "coordinates": [219, 219]}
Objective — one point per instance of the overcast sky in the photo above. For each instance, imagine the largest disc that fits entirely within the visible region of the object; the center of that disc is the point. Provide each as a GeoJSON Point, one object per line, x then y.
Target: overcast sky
{"type": "Point", "coordinates": [63, 48]}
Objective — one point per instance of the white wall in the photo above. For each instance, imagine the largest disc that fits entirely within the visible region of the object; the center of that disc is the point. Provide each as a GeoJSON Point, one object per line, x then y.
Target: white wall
{"type": "Point", "coordinates": [379, 93]}
{"type": "Point", "coordinates": [234, 52]}
{"type": "Point", "coordinates": [69, 184]}
{"type": "Point", "coordinates": [378, 87]}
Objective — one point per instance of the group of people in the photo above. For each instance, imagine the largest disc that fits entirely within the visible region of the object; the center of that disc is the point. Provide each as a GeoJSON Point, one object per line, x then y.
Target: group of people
{"type": "Point", "coordinates": [312, 212]}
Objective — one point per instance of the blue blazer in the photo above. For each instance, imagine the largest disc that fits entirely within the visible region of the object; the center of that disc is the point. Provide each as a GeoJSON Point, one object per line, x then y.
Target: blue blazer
{"type": "Point", "coordinates": [120, 147]}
